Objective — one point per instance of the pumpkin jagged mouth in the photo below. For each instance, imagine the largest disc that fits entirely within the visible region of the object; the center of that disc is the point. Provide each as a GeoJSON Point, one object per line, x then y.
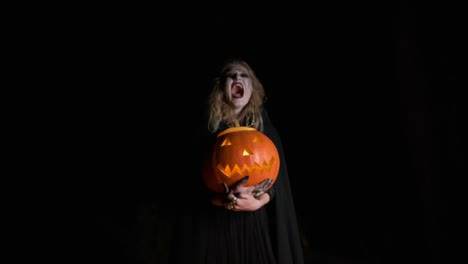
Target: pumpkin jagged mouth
{"type": "Point", "coordinates": [246, 169]}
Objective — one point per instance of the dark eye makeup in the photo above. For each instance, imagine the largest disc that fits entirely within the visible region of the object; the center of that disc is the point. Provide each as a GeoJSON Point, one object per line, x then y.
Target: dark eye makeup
{"type": "Point", "coordinates": [233, 75]}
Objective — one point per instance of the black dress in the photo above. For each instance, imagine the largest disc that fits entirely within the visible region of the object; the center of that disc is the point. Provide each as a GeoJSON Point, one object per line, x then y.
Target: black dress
{"type": "Point", "coordinates": [198, 232]}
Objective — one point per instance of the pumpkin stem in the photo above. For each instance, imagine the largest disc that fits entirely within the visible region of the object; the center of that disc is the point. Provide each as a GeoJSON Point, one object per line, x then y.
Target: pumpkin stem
{"type": "Point", "coordinates": [236, 122]}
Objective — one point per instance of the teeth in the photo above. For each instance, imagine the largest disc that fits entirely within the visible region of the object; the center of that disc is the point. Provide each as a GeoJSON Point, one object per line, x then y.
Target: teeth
{"type": "Point", "coordinates": [266, 166]}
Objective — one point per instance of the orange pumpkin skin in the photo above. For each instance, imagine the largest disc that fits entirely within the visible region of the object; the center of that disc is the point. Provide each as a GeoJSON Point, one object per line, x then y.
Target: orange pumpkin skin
{"type": "Point", "coordinates": [238, 152]}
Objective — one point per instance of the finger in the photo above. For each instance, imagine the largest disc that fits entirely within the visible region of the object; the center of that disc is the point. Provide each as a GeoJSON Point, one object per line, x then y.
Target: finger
{"type": "Point", "coordinates": [229, 206]}
{"type": "Point", "coordinates": [257, 193]}
{"type": "Point", "coordinates": [243, 189]}
{"type": "Point", "coordinates": [262, 185]}
{"type": "Point", "coordinates": [231, 196]}
{"type": "Point", "coordinates": [268, 184]}
{"type": "Point", "coordinates": [240, 183]}
{"type": "Point", "coordinates": [243, 180]}
{"type": "Point", "coordinates": [226, 188]}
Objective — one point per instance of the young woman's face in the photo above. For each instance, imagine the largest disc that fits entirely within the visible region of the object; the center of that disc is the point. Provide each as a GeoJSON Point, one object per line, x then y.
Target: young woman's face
{"type": "Point", "coordinates": [238, 86]}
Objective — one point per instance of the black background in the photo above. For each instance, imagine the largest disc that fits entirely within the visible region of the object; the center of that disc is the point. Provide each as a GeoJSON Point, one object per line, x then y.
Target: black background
{"type": "Point", "coordinates": [365, 97]}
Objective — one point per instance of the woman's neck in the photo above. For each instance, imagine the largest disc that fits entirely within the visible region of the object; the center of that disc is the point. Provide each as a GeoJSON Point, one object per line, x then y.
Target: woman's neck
{"type": "Point", "coordinates": [236, 112]}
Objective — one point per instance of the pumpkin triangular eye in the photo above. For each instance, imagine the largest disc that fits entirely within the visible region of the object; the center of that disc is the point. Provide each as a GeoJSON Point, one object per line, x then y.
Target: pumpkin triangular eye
{"type": "Point", "coordinates": [256, 139]}
{"type": "Point", "coordinates": [246, 153]}
{"type": "Point", "coordinates": [226, 142]}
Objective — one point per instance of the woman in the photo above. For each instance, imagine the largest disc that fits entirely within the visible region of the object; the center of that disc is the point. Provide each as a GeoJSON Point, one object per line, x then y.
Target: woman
{"type": "Point", "coordinates": [255, 224]}
{"type": "Point", "coordinates": [244, 224]}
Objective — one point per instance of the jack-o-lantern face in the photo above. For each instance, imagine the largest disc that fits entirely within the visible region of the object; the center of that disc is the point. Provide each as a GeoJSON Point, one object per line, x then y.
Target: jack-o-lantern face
{"type": "Point", "coordinates": [238, 152]}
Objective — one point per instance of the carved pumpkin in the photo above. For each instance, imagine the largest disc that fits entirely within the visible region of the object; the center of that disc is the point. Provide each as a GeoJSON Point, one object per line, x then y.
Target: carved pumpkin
{"type": "Point", "coordinates": [238, 152]}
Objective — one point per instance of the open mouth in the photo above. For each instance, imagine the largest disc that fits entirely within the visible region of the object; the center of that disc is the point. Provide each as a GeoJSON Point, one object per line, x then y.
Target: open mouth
{"type": "Point", "coordinates": [237, 90]}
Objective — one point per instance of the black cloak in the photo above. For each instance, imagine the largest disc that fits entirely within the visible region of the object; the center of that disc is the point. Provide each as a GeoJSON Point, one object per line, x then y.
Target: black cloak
{"type": "Point", "coordinates": [195, 231]}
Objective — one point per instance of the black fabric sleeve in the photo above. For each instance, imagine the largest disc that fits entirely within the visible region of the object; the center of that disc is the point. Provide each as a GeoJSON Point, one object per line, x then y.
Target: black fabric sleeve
{"type": "Point", "coordinates": [271, 192]}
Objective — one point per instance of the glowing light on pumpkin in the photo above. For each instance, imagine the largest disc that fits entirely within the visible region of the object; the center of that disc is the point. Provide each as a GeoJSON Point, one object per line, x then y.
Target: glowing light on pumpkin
{"type": "Point", "coordinates": [239, 152]}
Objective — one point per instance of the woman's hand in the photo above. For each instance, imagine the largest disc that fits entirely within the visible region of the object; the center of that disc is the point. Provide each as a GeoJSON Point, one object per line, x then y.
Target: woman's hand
{"type": "Point", "coordinates": [248, 198]}
{"type": "Point", "coordinates": [262, 187]}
